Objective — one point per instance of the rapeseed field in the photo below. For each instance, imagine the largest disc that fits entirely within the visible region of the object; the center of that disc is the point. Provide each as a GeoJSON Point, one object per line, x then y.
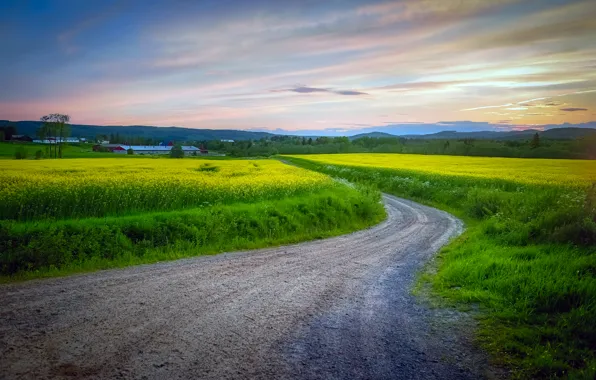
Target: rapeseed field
{"type": "Point", "coordinates": [64, 216]}
{"type": "Point", "coordinates": [527, 171]}
{"type": "Point", "coordinates": [76, 188]}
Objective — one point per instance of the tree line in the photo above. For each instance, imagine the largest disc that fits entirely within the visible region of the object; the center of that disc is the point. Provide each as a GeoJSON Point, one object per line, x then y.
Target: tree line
{"type": "Point", "coordinates": [535, 147]}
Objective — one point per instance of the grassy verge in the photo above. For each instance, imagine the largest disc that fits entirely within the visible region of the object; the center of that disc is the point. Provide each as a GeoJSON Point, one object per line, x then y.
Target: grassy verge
{"type": "Point", "coordinates": [528, 258]}
{"type": "Point", "coordinates": [53, 248]}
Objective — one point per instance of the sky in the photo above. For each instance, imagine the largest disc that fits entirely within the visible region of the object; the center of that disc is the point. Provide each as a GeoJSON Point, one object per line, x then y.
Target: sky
{"type": "Point", "coordinates": [301, 65]}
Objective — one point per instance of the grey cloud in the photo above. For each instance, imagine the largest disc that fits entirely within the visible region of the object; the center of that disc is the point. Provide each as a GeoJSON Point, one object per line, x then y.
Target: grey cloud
{"type": "Point", "coordinates": [573, 109]}
{"type": "Point", "coordinates": [350, 92]}
{"type": "Point", "coordinates": [308, 90]}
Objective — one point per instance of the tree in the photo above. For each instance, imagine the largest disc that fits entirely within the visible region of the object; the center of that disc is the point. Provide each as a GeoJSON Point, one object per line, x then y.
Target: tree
{"type": "Point", "coordinates": [130, 151]}
{"type": "Point", "coordinates": [177, 151]}
{"type": "Point", "coordinates": [8, 129]}
{"type": "Point", "coordinates": [44, 132]}
{"type": "Point", "coordinates": [535, 143]}
{"type": "Point", "coordinates": [58, 124]}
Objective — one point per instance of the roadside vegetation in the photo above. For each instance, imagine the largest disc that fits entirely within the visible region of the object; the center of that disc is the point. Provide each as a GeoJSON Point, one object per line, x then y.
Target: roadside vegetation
{"type": "Point", "coordinates": [64, 216]}
{"type": "Point", "coordinates": [527, 258]}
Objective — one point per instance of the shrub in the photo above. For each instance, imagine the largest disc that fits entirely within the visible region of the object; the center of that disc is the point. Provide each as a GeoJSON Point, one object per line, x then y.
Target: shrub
{"type": "Point", "coordinates": [20, 153]}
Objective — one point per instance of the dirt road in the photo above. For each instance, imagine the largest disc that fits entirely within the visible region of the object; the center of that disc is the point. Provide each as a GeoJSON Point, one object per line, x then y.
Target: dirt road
{"type": "Point", "coordinates": [330, 309]}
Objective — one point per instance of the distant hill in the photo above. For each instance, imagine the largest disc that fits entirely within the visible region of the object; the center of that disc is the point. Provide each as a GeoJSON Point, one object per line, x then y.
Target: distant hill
{"type": "Point", "coordinates": [192, 134]}
{"type": "Point", "coordinates": [159, 133]}
{"type": "Point", "coordinates": [372, 135]}
{"type": "Point", "coordinates": [555, 133]}
{"type": "Point", "coordinates": [567, 133]}
{"type": "Point", "coordinates": [489, 135]}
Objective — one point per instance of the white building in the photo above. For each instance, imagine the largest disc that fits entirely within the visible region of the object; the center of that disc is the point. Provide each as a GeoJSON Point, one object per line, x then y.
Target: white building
{"type": "Point", "coordinates": [54, 140]}
{"type": "Point", "coordinates": [153, 149]}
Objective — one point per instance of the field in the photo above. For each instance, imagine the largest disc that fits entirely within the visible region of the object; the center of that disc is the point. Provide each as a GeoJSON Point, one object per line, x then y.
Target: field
{"type": "Point", "coordinates": [55, 189]}
{"type": "Point", "coordinates": [539, 171]}
{"type": "Point", "coordinates": [527, 259]}
{"type": "Point", "coordinates": [61, 216]}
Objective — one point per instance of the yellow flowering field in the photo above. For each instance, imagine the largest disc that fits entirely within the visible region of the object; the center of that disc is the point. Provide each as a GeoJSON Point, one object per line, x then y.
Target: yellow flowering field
{"type": "Point", "coordinates": [31, 190]}
{"type": "Point", "coordinates": [524, 170]}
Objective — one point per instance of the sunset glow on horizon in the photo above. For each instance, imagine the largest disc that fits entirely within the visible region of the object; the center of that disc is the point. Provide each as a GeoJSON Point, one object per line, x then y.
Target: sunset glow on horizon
{"type": "Point", "coordinates": [300, 65]}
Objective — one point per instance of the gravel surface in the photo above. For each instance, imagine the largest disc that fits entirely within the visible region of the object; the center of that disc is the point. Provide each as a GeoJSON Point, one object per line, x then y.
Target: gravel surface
{"type": "Point", "coordinates": [330, 309]}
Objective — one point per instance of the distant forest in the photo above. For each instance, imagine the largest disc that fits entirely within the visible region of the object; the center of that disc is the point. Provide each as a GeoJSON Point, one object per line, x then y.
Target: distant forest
{"type": "Point", "coordinates": [575, 143]}
{"type": "Point", "coordinates": [533, 147]}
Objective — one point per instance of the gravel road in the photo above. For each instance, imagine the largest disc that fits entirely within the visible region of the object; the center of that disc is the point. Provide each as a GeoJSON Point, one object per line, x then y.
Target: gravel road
{"type": "Point", "coordinates": [338, 308]}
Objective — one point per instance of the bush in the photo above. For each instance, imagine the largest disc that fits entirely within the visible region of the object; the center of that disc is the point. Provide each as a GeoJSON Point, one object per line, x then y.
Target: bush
{"type": "Point", "coordinates": [20, 153]}
{"type": "Point", "coordinates": [39, 154]}
{"type": "Point", "coordinates": [208, 168]}
{"type": "Point", "coordinates": [130, 151]}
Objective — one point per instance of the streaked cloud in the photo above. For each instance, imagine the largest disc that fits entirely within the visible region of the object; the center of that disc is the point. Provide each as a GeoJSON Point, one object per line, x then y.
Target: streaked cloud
{"type": "Point", "coordinates": [309, 90]}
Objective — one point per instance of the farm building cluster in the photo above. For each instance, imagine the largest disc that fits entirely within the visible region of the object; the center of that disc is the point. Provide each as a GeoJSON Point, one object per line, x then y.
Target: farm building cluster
{"type": "Point", "coordinates": [54, 140]}
{"type": "Point", "coordinates": [48, 140]}
{"type": "Point", "coordinates": [148, 149]}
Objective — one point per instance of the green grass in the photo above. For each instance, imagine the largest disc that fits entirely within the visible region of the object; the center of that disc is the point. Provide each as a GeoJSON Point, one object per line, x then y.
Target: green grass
{"type": "Point", "coordinates": [527, 258]}
{"type": "Point", "coordinates": [43, 249]}
{"type": "Point", "coordinates": [8, 149]}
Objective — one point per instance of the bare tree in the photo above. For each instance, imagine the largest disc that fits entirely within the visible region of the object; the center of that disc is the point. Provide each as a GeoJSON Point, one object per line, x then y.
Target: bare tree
{"type": "Point", "coordinates": [56, 124]}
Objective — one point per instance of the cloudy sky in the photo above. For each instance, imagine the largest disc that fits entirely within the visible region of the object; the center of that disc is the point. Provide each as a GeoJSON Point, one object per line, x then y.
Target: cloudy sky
{"type": "Point", "coordinates": [299, 65]}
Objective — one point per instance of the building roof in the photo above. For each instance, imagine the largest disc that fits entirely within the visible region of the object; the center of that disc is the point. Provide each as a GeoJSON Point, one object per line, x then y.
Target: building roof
{"type": "Point", "coordinates": [140, 148]}
{"type": "Point", "coordinates": [110, 145]}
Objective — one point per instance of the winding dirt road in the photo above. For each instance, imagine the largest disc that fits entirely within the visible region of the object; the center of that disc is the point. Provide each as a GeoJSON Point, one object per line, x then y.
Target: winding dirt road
{"type": "Point", "coordinates": [331, 309]}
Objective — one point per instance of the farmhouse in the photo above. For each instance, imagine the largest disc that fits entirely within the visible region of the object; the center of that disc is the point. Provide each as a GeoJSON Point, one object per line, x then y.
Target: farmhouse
{"type": "Point", "coordinates": [153, 149]}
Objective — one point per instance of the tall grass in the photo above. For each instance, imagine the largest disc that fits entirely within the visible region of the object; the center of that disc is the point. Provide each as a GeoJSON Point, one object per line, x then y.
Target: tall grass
{"type": "Point", "coordinates": [528, 257]}
{"type": "Point", "coordinates": [37, 249]}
